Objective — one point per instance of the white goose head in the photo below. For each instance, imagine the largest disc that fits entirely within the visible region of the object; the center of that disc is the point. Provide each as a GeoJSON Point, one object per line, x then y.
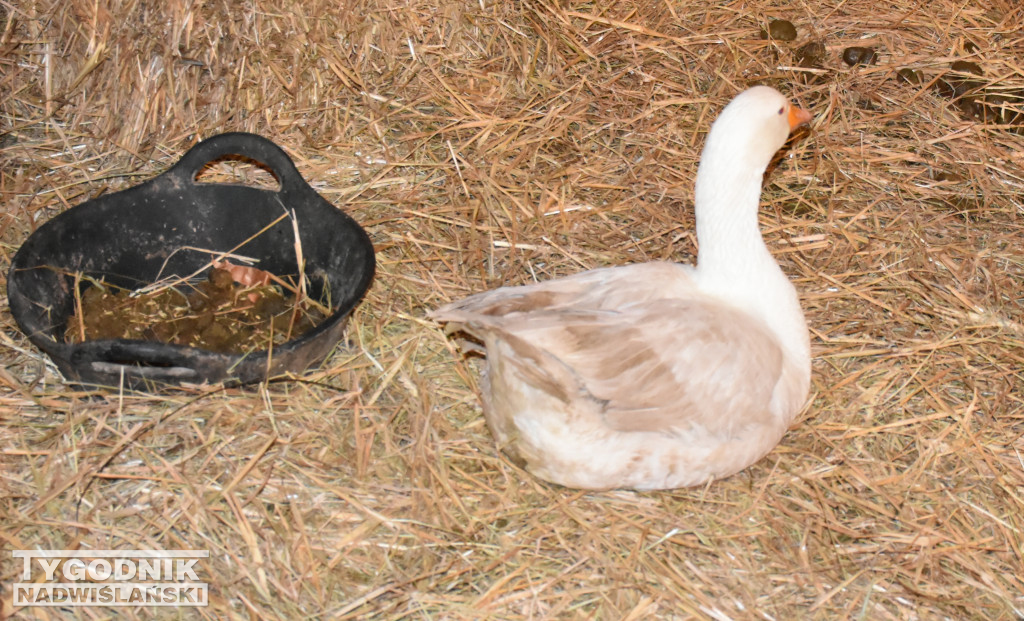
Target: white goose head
{"type": "Point", "coordinates": [751, 129]}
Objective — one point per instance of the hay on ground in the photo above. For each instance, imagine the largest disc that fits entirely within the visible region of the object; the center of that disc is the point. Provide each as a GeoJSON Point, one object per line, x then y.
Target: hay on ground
{"type": "Point", "coordinates": [492, 143]}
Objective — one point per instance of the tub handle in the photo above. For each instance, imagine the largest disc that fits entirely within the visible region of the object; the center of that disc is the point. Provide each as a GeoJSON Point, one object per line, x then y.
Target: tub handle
{"type": "Point", "coordinates": [247, 145]}
{"type": "Point", "coordinates": [147, 360]}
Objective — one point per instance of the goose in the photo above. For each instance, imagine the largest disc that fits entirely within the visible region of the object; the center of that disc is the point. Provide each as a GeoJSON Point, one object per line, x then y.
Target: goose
{"type": "Point", "coordinates": [655, 375]}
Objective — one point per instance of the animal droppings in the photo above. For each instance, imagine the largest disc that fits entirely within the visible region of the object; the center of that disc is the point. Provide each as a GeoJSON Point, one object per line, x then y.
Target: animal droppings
{"type": "Point", "coordinates": [811, 54]}
{"type": "Point", "coordinates": [909, 76]}
{"type": "Point", "coordinates": [859, 56]}
{"type": "Point", "coordinates": [780, 30]}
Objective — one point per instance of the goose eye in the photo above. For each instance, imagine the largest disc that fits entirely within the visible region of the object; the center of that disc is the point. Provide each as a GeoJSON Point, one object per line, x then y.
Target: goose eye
{"type": "Point", "coordinates": [782, 110]}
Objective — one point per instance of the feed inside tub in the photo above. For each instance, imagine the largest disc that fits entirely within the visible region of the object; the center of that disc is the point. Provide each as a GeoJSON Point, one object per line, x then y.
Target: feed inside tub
{"type": "Point", "coordinates": [231, 311]}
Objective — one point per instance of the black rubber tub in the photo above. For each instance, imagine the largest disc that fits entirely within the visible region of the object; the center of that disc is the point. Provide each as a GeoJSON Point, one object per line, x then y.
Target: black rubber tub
{"type": "Point", "coordinates": [134, 237]}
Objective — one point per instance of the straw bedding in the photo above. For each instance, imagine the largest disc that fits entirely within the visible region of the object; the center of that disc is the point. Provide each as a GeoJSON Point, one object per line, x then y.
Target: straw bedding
{"type": "Point", "coordinates": [485, 144]}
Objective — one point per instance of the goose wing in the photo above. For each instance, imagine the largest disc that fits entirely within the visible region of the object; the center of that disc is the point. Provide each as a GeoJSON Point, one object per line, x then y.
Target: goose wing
{"type": "Point", "coordinates": [668, 365]}
{"type": "Point", "coordinates": [654, 352]}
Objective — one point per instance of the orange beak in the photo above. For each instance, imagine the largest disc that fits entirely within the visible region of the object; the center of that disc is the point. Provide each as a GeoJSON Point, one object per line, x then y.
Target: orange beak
{"type": "Point", "coordinates": [798, 116]}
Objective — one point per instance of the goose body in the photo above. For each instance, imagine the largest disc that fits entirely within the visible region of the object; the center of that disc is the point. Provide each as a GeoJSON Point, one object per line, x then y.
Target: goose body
{"type": "Point", "coordinates": [656, 375]}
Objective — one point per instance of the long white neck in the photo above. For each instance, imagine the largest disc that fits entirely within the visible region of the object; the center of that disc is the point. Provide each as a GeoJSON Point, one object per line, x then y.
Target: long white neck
{"type": "Point", "coordinates": [733, 262]}
{"type": "Point", "coordinates": [731, 246]}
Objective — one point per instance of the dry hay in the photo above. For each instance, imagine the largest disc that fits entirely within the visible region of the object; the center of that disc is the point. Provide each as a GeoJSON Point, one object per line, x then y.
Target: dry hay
{"type": "Point", "coordinates": [494, 143]}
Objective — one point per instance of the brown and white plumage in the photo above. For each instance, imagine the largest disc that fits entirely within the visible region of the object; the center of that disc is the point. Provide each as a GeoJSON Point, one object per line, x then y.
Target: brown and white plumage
{"type": "Point", "coordinates": [656, 375]}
